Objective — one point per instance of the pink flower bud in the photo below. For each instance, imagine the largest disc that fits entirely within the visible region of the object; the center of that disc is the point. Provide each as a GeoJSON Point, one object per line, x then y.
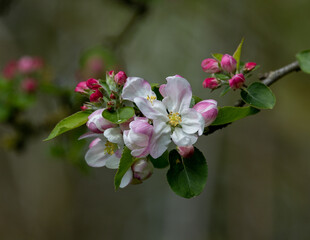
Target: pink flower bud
{"type": "Point", "coordinates": [94, 97]}
{"type": "Point", "coordinates": [97, 124]}
{"type": "Point", "coordinates": [83, 108]}
{"type": "Point", "coordinates": [228, 63]}
{"type": "Point", "coordinates": [142, 169]}
{"type": "Point", "coordinates": [211, 83]}
{"type": "Point", "coordinates": [208, 109]}
{"type": "Point", "coordinates": [29, 85]}
{"type": "Point", "coordinates": [249, 66]}
{"type": "Point", "coordinates": [120, 78]}
{"type": "Point", "coordinates": [210, 65]}
{"type": "Point", "coordinates": [186, 151]}
{"type": "Point", "coordinates": [95, 65]}
{"type": "Point", "coordinates": [237, 81]}
{"type": "Point", "coordinates": [93, 83]}
{"type": "Point", "coordinates": [10, 69]}
{"type": "Point", "coordinates": [81, 87]}
{"type": "Point", "coordinates": [28, 64]}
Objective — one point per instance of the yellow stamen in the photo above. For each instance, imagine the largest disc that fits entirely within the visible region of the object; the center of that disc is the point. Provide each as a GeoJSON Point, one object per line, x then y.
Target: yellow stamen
{"type": "Point", "coordinates": [151, 98]}
{"type": "Point", "coordinates": [110, 148]}
{"type": "Point", "coordinates": [174, 119]}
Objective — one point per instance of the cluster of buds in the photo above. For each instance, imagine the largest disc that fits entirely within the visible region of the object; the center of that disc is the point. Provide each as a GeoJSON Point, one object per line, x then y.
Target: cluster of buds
{"type": "Point", "coordinates": [102, 92]}
{"type": "Point", "coordinates": [224, 71]}
{"type": "Point", "coordinates": [26, 71]}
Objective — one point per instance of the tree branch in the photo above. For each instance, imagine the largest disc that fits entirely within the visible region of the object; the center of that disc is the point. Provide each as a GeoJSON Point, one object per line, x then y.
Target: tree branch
{"type": "Point", "coordinates": [267, 79]}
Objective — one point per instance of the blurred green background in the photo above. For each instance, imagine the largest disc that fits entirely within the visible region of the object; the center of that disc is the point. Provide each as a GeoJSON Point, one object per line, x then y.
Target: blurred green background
{"type": "Point", "coordinates": [259, 167]}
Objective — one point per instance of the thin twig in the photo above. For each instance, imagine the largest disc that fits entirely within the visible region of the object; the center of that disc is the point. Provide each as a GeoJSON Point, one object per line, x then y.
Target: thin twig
{"type": "Point", "coordinates": [268, 79]}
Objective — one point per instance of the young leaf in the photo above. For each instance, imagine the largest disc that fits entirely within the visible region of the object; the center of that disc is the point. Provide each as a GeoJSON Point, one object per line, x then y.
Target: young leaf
{"type": "Point", "coordinates": [120, 115]}
{"type": "Point", "coordinates": [303, 58]}
{"type": "Point", "coordinates": [69, 123]}
{"type": "Point", "coordinates": [258, 95]}
{"type": "Point", "coordinates": [125, 163]}
{"type": "Point", "coordinates": [237, 53]}
{"type": "Point", "coordinates": [231, 114]}
{"type": "Point", "coordinates": [217, 56]}
{"type": "Point", "coordinates": [162, 161]}
{"type": "Point", "coordinates": [225, 90]}
{"type": "Point", "coordinates": [221, 76]}
{"type": "Point", "coordinates": [195, 100]}
{"type": "Point", "coordinates": [187, 176]}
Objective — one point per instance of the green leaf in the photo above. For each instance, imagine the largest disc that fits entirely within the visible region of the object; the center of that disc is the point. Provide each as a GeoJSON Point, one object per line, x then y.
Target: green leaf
{"type": "Point", "coordinates": [303, 58]}
{"type": "Point", "coordinates": [187, 176]}
{"type": "Point", "coordinates": [225, 90]}
{"type": "Point", "coordinates": [231, 114]}
{"type": "Point", "coordinates": [162, 161]}
{"type": "Point", "coordinates": [69, 123]}
{"type": "Point", "coordinates": [259, 95]}
{"type": "Point", "coordinates": [217, 56]}
{"type": "Point", "coordinates": [120, 115]}
{"type": "Point", "coordinates": [221, 76]}
{"type": "Point", "coordinates": [195, 100]}
{"type": "Point", "coordinates": [125, 163]}
{"type": "Point", "coordinates": [237, 54]}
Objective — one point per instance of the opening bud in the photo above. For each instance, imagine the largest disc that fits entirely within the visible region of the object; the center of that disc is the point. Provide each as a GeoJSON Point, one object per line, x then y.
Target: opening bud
{"type": "Point", "coordinates": [210, 65]}
{"type": "Point", "coordinates": [248, 67]}
{"type": "Point", "coordinates": [228, 63]}
{"type": "Point", "coordinates": [142, 170]}
{"type": "Point", "coordinates": [81, 87]}
{"type": "Point", "coordinates": [208, 109]}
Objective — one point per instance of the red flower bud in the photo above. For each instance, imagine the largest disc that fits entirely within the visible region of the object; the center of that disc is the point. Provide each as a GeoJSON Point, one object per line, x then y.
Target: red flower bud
{"type": "Point", "coordinates": [94, 97]}
{"type": "Point", "coordinates": [93, 83]}
{"type": "Point", "coordinates": [81, 87]}
{"type": "Point", "coordinates": [186, 151]}
{"type": "Point", "coordinates": [120, 78]}
{"type": "Point", "coordinates": [29, 85]}
{"type": "Point", "coordinates": [237, 81]}
{"type": "Point", "coordinates": [211, 83]}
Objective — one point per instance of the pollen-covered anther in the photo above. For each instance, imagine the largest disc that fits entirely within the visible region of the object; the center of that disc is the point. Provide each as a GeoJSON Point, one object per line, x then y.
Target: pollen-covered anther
{"type": "Point", "coordinates": [174, 119]}
{"type": "Point", "coordinates": [151, 98]}
{"type": "Point", "coordinates": [110, 148]}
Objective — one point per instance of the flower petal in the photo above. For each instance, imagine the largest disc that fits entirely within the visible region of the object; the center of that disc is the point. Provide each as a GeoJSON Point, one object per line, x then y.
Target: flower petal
{"type": "Point", "coordinates": [192, 121]}
{"type": "Point", "coordinates": [90, 134]}
{"type": "Point", "coordinates": [126, 178]}
{"type": "Point", "coordinates": [180, 138]}
{"type": "Point", "coordinates": [136, 87]}
{"type": "Point", "coordinates": [155, 110]}
{"type": "Point", "coordinates": [114, 135]}
{"type": "Point", "coordinates": [178, 94]}
{"type": "Point", "coordinates": [112, 162]}
{"type": "Point", "coordinates": [95, 156]}
{"type": "Point", "coordinates": [160, 138]}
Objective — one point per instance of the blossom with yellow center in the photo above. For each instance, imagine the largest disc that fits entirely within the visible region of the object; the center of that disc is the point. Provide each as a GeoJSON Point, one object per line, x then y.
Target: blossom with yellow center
{"type": "Point", "coordinates": [110, 148]}
{"type": "Point", "coordinates": [151, 98]}
{"type": "Point", "coordinates": [174, 119]}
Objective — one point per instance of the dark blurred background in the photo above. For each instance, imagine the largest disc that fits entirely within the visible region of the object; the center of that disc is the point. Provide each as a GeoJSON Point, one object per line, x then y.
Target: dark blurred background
{"type": "Point", "coordinates": [259, 167]}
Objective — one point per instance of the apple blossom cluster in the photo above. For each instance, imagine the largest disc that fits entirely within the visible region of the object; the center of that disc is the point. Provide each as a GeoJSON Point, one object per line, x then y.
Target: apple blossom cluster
{"type": "Point", "coordinates": [127, 114]}
{"type": "Point", "coordinates": [26, 71]}
{"type": "Point", "coordinates": [224, 71]}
